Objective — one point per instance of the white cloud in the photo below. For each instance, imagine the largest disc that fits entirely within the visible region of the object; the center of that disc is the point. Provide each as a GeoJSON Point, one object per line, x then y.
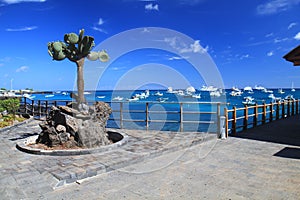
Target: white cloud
{"type": "Point", "coordinates": [99, 29]}
{"type": "Point", "coordinates": [27, 28]}
{"type": "Point", "coordinates": [151, 6]}
{"type": "Point", "coordinates": [183, 48]}
{"type": "Point", "coordinates": [297, 36]}
{"type": "Point", "coordinates": [276, 40]}
{"type": "Point", "coordinates": [100, 22]}
{"type": "Point", "coordinates": [21, 1]}
{"type": "Point", "coordinates": [269, 35]}
{"type": "Point", "coordinates": [195, 48]}
{"type": "Point", "coordinates": [292, 25]}
{"type": "Point", "coordinates": [275, 6]}
{"type": "Point", "coordinates": [22, 69]}
{"type": "Point", "coordinates": [271, 53]}
{"type": "Point", "coordinates": [244, 56]}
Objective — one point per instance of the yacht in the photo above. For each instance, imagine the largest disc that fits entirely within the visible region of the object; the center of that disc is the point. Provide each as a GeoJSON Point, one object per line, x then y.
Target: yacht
{"type": "Point", "coordinates": [293, 89]}
{"type": "Point", "coordinates": [248, 89]}
{"type": "Point", "coordinates": [208, 88]}
{"type": "Point", "coordinates": [158, 94]}
{"type": "Point", "coordinates": [280, 91]}
{"type": "Point", "coordinates": [197, 96]}
{"type": "Point", "coordinates": [249, 101]}
{"type": "Point", "coordinates": [118, 98]}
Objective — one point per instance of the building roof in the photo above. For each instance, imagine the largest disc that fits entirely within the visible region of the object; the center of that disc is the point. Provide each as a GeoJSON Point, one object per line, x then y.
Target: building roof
{"type": "Point", "coordinates": [294, 56]}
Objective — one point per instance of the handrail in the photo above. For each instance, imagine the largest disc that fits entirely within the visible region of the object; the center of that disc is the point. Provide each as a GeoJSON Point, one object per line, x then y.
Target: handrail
{"type": "Point", "coordinates": [260, 114]}
{"type": "Point", "coordinates": [41, 108]}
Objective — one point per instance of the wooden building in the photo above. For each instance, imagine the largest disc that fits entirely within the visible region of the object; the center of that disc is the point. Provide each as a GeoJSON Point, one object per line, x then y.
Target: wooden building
{"type": "Point", "coordinates": [293, 56]}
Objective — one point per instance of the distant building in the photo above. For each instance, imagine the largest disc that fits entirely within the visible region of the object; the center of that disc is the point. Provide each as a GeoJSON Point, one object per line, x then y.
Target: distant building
{"type": "Point", "coordinates": [294, 56]}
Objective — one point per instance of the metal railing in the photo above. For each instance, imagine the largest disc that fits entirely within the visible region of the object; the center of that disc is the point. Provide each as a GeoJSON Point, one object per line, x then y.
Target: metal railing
{"type": "Point", "coordinates": [145, 113]}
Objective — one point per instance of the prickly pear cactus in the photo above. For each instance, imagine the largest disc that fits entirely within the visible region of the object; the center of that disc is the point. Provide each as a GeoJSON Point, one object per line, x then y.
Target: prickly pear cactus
{"type": "Point", "coordinates": [76, 48]}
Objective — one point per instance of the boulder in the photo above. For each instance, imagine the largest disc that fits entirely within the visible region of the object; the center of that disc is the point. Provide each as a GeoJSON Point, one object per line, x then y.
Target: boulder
{"type": "Point", "coordinates": [84, 127]}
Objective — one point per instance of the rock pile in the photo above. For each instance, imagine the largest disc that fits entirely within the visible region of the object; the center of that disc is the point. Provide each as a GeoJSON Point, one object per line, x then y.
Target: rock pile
{"type": "Point", "coordinates": [76, 126]}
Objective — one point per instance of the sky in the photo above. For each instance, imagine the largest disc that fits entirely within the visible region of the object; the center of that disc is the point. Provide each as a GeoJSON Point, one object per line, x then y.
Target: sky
{"type": "Point", "coordinates": [245, 41]}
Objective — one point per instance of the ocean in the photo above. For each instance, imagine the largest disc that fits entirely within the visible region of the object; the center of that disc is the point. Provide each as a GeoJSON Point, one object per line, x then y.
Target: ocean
{"type": "Point", "coordinates": [164, 106]}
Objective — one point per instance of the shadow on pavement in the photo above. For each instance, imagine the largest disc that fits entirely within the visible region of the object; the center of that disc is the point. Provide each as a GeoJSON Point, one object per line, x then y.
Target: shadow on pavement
{"type": "Point", "coordinates": [289, 152]}
{"type": "Point", "coordinates": [283, 131]}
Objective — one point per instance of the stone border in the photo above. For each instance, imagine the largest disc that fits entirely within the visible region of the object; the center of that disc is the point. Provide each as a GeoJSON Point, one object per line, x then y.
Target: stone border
{"type": "Point", "coordinates": [23, 146]}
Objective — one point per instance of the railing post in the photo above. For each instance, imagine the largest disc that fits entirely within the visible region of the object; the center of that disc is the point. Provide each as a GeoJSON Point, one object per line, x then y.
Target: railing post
{"type": "Point", "coordinates": [32, 107]}
{"type": "Point", "coordinates": [297, 106]}
{"type": "Point", "coordinates": [283, 110]}
{"type": "Point", "coordinates": [218, 119]}
{"type": "Point", "coordinates": [25, 104]}
{"type": "Point", "coordinates": [277, 110]}
{"type": "Point", "coordinates": [39, 108]}
{"type": "Point", "coordinates": [147, 115]}
{"type": "Point", "coordinates": [226, 122]}
{"type": "Point", "coordinates": [245, 126]}
{"type": "Point", "coordinates": [47, 109]}
{"type": "Point", "coordinates": [121, 115]}
{"type": "Point", "coordinates": [255, 115]}
{"type": "Point", "coordinates": [288, 108]}
{"type": "Point", "coordinates": [234, 120]}
{"type": "Point", "coordinates": [271, 112]}
{"type": "Point", "coordinates": [264, 113]}
{"type": "Point", "coordinates": [293, 107]}
{"type": "Point", "coordinates": [181, 117]}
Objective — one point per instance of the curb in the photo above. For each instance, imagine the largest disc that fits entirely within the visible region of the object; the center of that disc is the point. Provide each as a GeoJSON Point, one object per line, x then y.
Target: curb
{"type": "Point", "coordinates": [23, 146]}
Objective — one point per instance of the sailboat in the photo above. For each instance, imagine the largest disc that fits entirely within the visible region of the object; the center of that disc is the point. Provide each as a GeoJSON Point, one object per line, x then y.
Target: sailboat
{"type": "Point", "coordinates": [293, 89]}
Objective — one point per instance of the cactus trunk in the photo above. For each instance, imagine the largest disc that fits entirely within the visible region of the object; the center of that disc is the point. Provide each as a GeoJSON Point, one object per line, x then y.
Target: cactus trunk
{"type": "Point", "coordinates": [80, 81]}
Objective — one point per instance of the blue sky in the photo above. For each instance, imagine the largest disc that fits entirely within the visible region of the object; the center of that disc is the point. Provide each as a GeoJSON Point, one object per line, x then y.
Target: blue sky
{"type": "Point", "coordinates": [245, 38]}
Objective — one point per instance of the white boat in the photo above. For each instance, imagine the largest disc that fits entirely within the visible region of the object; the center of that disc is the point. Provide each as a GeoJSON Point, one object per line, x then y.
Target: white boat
{"type": "Point", "coordinates": [49, 95]}
{"type": "Point", "coordinates": [162, 99]}
{"type": "Point", "coordinates": [236, 93]}
{"type": "Point", "coordinates": [208, 88]}
{"type": "Point", "coordinates": [197, 96]}
{"type": "Point", "coordinates": [293, 89]}
{"type": "Point", "coordinates": [248, 89]}
{"type": "Point", "coordinates": [249, 101]}
{"type": "Point", "coordinates": [289, 97]}
{"type": "Point", "coordinates": [158, 94]}
{"type": "Point", "coordinates": [118, 98]}
{"type": "Point", "coordinates": [258, 87]}
{"type": "Point", "coordinates": [86, 93]}
{"type": "Point", "coordinates": [267, 91]}
{"type": "Point", "coordinates": [190, 90]}
{"type": "Point", "coordinates": [180, 93]}
{"type": "Point", "coordinates": [133, 98]}
{"type": "Point", "coordinates": [235, 89]}
{"type": "Point", "coordinates": [280, 91]}
{"type": "Point", "coordinates": [100, 97]}
{"type": "Point", "coordinates": [215, 93]}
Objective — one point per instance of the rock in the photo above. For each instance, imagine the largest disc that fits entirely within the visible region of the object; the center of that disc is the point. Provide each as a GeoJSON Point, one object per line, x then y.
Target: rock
{"type": "Point", "coordinates": [69, 111]}
{"type": "Point", "coordinates": [61, 129]}
{"type": "Point", "coordinates": [92, 134]}
{"type": "Point", "coordinates": [68, 127]}
{"type": "Point", "coordinates": [82, 116]}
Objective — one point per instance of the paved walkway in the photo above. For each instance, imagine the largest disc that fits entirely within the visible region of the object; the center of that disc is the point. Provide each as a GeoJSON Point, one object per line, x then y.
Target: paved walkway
{"type": "Point", "coordinates": [160, 165]}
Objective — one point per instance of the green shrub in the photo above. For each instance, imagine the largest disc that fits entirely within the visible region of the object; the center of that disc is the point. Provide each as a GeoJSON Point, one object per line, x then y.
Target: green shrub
{"type": "Point", "coordinates": [10, 105]}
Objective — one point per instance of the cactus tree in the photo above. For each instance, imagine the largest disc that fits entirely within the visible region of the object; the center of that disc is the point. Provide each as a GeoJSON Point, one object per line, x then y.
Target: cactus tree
{"type": "Point", "coordinates": [76, 48]}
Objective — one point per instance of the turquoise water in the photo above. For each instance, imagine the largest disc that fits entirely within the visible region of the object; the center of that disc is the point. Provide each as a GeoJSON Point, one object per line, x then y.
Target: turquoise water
{"type": "Point", "coordinates": [166, 107]}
